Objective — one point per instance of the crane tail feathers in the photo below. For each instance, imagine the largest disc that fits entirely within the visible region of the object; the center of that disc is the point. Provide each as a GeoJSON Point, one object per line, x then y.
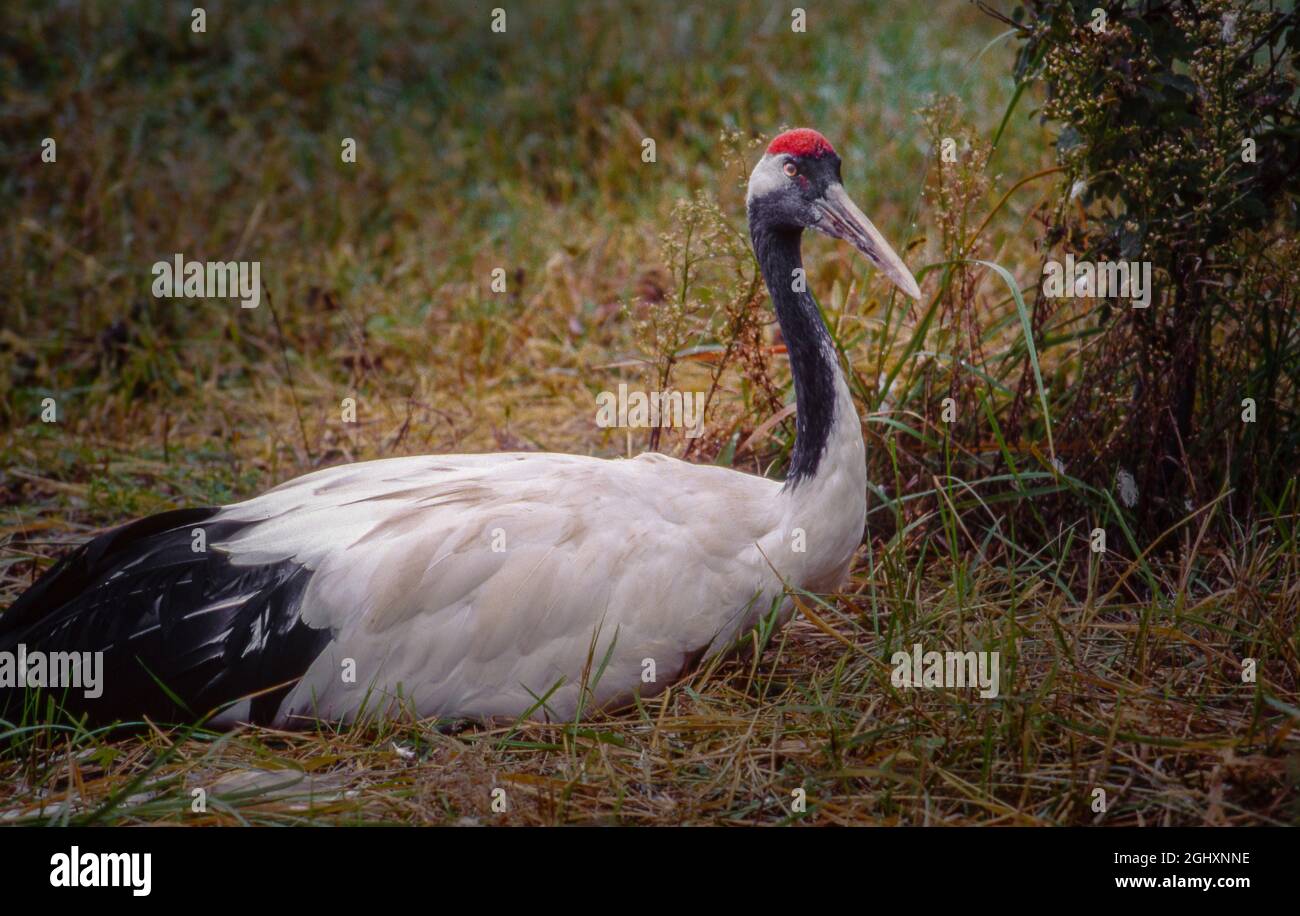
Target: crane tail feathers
{"type": "Point", "coordinates": [169, 627]}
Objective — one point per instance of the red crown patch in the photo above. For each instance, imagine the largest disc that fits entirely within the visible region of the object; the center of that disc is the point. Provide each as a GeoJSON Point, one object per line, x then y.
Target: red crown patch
{"type": "Point", "coordinates": [802, 141]}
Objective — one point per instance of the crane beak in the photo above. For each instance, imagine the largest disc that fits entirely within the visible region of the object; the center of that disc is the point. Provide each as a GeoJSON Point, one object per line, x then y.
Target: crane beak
{"type": "Point", "coordinates": [841, 219]}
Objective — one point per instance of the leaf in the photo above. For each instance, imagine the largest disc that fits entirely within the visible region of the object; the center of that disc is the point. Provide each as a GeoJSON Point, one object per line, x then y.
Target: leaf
{"type": "Point", "coordinates": [1026, 326]}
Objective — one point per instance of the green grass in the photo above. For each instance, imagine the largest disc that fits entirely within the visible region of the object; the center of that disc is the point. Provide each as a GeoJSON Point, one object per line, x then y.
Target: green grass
{"type": "Point", "coordinates": [523, 152]}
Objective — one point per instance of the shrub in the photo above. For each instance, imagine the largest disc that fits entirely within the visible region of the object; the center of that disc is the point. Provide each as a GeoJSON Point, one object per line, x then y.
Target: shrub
{"type": "Point", "coordinates": [1178, 135]}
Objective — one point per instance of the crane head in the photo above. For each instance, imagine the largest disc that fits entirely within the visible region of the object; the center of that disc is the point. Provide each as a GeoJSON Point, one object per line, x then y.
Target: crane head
{"type": "Point", "coordinates": [797, 185]}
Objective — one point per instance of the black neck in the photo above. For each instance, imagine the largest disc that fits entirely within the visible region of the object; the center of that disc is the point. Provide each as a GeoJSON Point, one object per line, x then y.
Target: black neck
{"type": "Point", "coordinates": [807, 342]}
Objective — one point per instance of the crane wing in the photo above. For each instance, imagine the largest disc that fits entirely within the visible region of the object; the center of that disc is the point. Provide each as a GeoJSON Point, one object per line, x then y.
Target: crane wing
{"type": "Point", "coordinates": [466, 586]}
{"type": "Point", "coordinates": [473, 585]}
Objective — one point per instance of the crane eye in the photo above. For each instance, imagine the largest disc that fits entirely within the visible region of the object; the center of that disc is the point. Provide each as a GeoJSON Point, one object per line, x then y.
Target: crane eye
{"type": "Point", "coordinates": [790, 169]}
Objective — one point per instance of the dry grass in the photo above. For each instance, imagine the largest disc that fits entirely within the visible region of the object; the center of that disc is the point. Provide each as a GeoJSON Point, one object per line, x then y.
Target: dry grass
{"type": "Point", "coordinates": [1172, 736]}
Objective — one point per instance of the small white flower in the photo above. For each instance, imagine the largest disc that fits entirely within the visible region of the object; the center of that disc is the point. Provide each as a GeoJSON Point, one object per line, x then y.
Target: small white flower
{"type": "Point", "coordinates": [1077, 189]}
{"type": "Point", "coordinates": [1128, 488]}
{"type": "Point", "coordinates": [1229, 31]}
{"type": "Point", "coordinates": [1058, 465]}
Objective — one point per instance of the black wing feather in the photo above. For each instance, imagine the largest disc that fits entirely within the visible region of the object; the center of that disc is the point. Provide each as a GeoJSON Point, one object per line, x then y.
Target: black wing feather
{"type": "Point", "coordinates": [211, 631]}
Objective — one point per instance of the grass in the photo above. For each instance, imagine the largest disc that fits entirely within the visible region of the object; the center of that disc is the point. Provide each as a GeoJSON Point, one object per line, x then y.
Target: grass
{"type": "Point", "coordinates": [477, 151]}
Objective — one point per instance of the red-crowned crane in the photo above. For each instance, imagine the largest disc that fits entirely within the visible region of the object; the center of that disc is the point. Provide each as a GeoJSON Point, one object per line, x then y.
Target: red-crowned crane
{"type": "Point", "coordinates": [482, 586]}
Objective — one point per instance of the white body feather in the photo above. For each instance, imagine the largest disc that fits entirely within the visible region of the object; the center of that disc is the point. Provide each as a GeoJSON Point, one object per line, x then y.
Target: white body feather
{"type": "Point", "coordinates": [471, 585]}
